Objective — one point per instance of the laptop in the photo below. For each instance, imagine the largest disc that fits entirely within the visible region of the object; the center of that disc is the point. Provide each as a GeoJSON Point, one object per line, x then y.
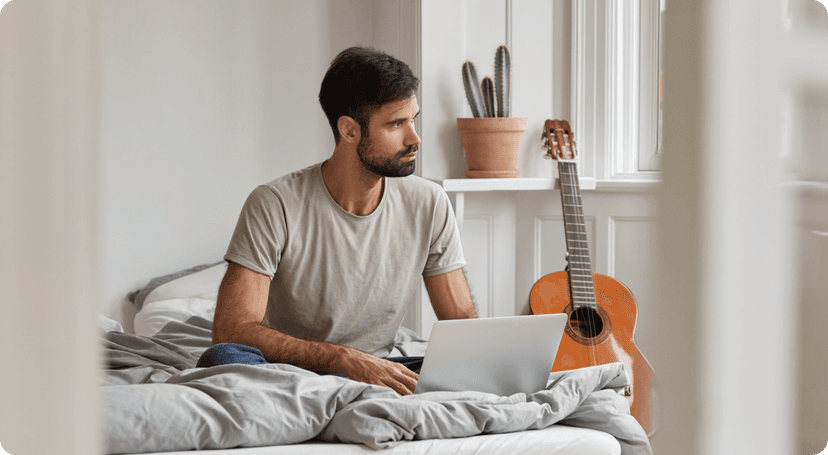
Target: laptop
{"type": "Point", "coordinates": [503, 355]}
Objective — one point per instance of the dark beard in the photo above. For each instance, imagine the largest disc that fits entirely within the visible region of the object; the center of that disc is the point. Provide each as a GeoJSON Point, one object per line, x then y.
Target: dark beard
{"type": "Point", "coordinates": [389, 167]}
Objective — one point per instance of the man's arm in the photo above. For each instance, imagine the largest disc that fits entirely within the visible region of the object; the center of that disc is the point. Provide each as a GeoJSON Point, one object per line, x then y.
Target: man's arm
{"type": "Point", "coordinates": [242, 301]}
{"type": "Point", "coordinates": [450, 296]}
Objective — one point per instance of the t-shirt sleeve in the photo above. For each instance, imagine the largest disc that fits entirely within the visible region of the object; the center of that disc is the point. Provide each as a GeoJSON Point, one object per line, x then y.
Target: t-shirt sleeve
{"type": "Point", "coordinates": [445, 253]}
{"type": "Point", "coordinates": [260, 233]}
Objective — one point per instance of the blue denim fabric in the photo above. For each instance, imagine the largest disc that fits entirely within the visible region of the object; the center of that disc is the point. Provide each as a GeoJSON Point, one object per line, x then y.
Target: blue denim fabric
{"type": "Point", "coordinates": [413, 363]}
{"type": "Point", "coordinates": [227, 353]}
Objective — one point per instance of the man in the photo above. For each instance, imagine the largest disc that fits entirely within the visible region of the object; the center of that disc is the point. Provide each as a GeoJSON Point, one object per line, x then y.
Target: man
{"type": "Point", "coordinates": [324, 261]}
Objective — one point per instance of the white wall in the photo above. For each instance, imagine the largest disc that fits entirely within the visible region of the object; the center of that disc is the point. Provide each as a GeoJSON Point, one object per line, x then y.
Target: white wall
{"type": "Point", "coordinates": [199, 103]}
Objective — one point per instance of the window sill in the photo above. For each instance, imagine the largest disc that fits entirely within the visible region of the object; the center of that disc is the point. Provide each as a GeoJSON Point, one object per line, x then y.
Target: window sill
{"type": "Point", "coordinates": [535, 184]}
{"type": "Point", "coordinates": [457, 188]}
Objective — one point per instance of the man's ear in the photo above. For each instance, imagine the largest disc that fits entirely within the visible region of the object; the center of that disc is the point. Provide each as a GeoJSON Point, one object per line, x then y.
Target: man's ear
{"type": "Point", "coordinates": [349, 130]}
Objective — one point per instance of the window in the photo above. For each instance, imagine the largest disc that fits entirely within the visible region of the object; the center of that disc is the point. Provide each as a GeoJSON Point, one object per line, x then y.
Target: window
{"type": "Point", "coordinates": [651, 54]}
{"type": "Point", "coordinates": [617, 86]}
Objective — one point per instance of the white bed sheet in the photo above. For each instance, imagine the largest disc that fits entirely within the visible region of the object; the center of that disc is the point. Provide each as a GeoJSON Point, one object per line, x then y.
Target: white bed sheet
{"type": "Point", "coordinates": [553, 440]}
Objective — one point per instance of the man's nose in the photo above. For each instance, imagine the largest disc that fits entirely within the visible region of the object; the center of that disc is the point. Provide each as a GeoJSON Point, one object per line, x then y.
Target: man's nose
{"type": "Point", "coordinates": [412, 138]}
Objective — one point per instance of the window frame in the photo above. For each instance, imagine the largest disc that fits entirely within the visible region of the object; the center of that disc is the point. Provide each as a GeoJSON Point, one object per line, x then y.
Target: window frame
{"type": "Point", "coordinates": [615, 87]}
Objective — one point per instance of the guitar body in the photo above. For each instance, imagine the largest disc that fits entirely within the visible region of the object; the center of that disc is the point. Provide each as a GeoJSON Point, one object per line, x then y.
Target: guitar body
{"type": "Point", "coordinates": [601, 335]}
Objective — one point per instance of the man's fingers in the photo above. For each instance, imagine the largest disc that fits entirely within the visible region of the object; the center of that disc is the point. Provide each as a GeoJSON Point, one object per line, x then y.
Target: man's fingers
{"type": "Point", "coordinates": [404, 369]}
{"type": "Point", "coordinates": [394, 375]}
{"type": "Point", "coordinates": [407, 378]}
{"type": "Point", "coordinates": [399, 378]}
{"type": "Point", "coordinates": [410, 373]}
{"type": "Point", "coordinates": [409, 382]}
{"type": "Point", "coordinates": [400, 387]}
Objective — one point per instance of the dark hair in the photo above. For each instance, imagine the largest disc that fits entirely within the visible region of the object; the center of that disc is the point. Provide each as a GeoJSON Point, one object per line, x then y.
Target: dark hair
{"type": "Point", "coordinates": [361, 79]}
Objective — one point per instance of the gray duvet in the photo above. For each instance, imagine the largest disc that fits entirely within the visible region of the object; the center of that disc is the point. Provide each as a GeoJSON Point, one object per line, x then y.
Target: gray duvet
{"type": "Point", "coordinates": [156, 400]}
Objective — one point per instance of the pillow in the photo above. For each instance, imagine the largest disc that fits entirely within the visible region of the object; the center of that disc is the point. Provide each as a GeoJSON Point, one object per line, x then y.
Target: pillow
{"type": "Point", "coordinates": [155, 315]}
{"type": "Point", "coordinates": [138, 297]}
{"type": "Point", "coordinates": [179, 296]}
{"type": "Point", "coordinates": [203, 284]}
{"type": "Point", "coordinates": [109, 325]}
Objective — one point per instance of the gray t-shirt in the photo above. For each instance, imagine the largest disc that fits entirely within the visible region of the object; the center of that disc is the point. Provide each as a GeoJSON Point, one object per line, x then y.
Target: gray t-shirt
{"type": "Point", "coordinates": [339, 277]}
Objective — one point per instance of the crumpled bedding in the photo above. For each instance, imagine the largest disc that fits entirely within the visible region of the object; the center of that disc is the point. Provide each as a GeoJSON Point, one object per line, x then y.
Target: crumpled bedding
{"type": "Point", "coordinates": [156, 400]}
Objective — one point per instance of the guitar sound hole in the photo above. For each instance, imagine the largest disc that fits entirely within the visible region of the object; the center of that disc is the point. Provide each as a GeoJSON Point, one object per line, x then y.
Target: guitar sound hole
{"type": "Point", "coordinates": [586, 322]}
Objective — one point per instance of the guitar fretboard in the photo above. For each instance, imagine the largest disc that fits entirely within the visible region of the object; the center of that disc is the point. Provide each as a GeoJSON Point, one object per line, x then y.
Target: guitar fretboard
{"type": "Point", "coordinates": [580, 268]}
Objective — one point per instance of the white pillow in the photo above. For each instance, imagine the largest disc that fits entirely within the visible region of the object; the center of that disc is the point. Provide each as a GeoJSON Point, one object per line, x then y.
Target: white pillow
{"type": "Point", "coordinates": [155, 315]}
{"type": "Point", "coordinates": [202, 285]}
{"type": "Point", "coordinates": [180, 299]}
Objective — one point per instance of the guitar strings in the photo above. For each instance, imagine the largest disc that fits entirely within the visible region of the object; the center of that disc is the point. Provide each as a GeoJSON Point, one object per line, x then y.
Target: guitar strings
{"type": "Point", "coordinates": [580, 218]}
{"type": "Point", "coordinates": [573, 182]}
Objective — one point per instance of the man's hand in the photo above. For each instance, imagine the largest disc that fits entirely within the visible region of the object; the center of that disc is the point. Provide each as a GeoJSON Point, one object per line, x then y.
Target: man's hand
{"type": "Point", "coordinates": [241, 305]}
{"type": "Point", "coordinates": [373, 370]}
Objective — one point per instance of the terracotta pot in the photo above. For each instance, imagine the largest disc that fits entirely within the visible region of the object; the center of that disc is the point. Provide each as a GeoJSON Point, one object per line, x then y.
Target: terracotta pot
{"type": "Point", "coordinates": [492, 145]}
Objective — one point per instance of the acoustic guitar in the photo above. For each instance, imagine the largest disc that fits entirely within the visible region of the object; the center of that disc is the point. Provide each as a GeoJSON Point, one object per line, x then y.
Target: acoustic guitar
{"type": "Point", "coordinates": [602, 311]}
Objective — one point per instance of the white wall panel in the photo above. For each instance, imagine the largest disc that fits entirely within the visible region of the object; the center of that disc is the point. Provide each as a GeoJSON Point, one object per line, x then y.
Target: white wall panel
{"type": "Point", "coordinates": [539, 250]}
{"type": "Point", "coordinates": [489, 245]}
{"type": "Point", "coordinates": [478, 235]}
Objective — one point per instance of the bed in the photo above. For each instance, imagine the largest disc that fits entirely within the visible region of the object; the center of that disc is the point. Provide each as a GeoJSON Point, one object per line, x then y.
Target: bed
{"type": "Point", "coordinates": [157, 401]}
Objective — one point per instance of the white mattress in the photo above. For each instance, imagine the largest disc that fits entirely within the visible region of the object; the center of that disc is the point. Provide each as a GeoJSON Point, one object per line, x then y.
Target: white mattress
{"type": "Point", "coordinates": [554, 440]}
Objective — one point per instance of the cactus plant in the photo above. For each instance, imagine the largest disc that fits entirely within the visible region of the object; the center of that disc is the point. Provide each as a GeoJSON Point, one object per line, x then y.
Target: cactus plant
{"type": "Point", "coordinates": [495, 99]}
{"type": "Point", "coordinates": [491, 144]}
{"type": "Point", "coordinates": [503, 81]}
{"type": "Point", "coordinates": [473, 90]}
{"type": "Point", "coordinates": [487, 87]}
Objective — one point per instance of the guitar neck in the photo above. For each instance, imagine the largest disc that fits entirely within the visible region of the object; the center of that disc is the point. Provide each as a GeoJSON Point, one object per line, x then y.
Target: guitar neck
{"type": "Point", "coordinates": [580, 268]}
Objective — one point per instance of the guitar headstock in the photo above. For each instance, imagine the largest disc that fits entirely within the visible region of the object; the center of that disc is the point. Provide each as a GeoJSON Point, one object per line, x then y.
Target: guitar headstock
{"type": "Point", "coordinates": [558, 140]}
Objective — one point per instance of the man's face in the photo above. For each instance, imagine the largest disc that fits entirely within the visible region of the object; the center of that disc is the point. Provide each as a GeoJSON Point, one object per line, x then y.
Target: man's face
{"type": "Point", "coordinates": [390, 147]}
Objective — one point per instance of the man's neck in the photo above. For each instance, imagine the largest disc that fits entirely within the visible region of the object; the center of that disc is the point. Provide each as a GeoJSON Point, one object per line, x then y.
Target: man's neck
{"type": "Point", "coordinates": [355, 189]}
